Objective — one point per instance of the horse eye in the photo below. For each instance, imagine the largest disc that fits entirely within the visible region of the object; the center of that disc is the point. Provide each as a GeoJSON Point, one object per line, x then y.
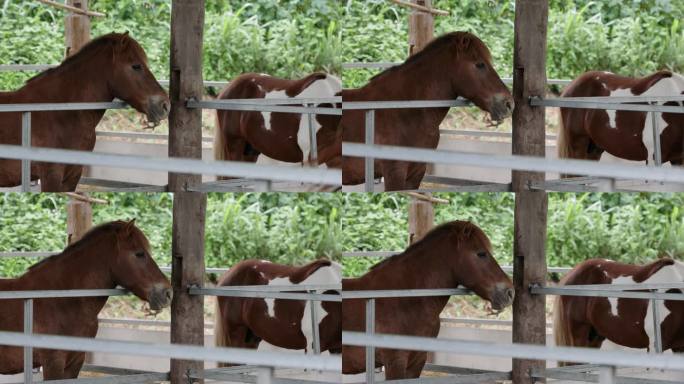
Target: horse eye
{"type": "Point", "coordinates": [140, 254]}
{"type": "Point", "coordinates": [480, 65]}
{"type": "Point", "coordinates": [137, 67]}
{"type": "Point", "coordinates": [482, 254]}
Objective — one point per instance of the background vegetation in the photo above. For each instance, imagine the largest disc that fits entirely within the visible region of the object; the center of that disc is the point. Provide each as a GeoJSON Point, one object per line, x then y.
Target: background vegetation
{"type": "Point", "coordinates": [630, 37]}
{"type": "Point", "coordinates": [282, 227]}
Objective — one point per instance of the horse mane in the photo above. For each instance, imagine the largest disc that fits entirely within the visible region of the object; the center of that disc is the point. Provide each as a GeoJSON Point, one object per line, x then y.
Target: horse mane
{"type": "Point", "coordinates": [465, 43]}
{"type": "Point", "coordinates": [92, 47]}
{"type": "Point", "coordinates": [463, 230]}
{"type": "Point", "coordinates": [83, 242]}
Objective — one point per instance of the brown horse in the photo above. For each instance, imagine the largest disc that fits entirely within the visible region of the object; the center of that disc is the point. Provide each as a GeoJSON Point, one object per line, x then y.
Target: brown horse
{"type": "Point", "coordinates": [455, 65]}
{"type": "Point", "coordinates": [111, 66]}
{"type": "Point", "coordinates": [111, 254]}
{"type": "Point", "coordinates": [245, 135]}
{"type": "Point", "coordinates": [453, 254]}
{"type": "Point", "coordinates": [244, 322]}
{"type": "Point", "coordinates": [598, 134]}
{"type": "Point", "coordinates": [588, 321]}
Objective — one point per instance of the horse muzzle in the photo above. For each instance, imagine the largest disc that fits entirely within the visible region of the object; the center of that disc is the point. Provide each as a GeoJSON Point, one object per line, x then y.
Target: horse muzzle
{"type": "Point", "coordinates": [502, 298]}
{"type": "Point", "coordinates": [158, 108]}
{"type": "Point", "coordinates": [501, 107]}
{"type": "Point", "coordinates": [160, 297]}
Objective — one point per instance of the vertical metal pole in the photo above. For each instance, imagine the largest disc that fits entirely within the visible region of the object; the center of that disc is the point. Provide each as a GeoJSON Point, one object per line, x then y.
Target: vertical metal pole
{"type": "Point", "coordinates": [26, 143]}
{"type": "Point", "coordinates": [28, 351]}
{"type": "Point", "coordinates": [369, 161]}
{"type": "Point", "coordinates": [370, 350]}
{"type": "Point", "coordinates": [658, 342]}
{"type": "Point", "coordinates": [313, 143]}
{"type": "Point", "coordinates": [607, 375]}
{"type": "Point", "coordinates": [264, 375]}
{"type": "Point", "coordinates": [656, 137]}
{"type": "Point", "coordinates": [314, 327]}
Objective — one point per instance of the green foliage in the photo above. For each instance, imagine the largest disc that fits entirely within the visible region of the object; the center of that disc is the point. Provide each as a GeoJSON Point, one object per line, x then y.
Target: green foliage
{"type": "Point", "coordinates": [287, 38]}
{"type": "Point", "coordinates": [282, 227]}
{"type": "Point", "coordinates": [632, 37]}
{"type": "Point", "coordinates": [632, 228]}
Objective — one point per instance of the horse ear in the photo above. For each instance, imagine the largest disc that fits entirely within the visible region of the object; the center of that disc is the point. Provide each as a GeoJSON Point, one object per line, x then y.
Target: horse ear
{"type": "Point", "coordinates": [129, 226]}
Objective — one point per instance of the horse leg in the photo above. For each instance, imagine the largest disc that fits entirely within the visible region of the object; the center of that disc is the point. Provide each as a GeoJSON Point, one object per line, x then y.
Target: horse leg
{"type": "Point", "coordinates": [74, 365]}
{"type": "Point", "coordinates": [72, 177]}
{"type": "Point", "coordinates": [416, 364]}
{"type": "Point", "coordinates": [53, 363]}
{"type": "Point", "coordinates": [416, 173]}
{"type": "Point", "coordinates": [52, 177]}
{"type": "Point", "coordinates": [395, 363]}
{"type": "Point", "coordinates": [395, 173]}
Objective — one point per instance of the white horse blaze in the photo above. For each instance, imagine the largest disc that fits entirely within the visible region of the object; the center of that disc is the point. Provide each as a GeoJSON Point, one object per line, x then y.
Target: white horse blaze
{"type": "Point", "coordinates": [323, 88]}
{"type": "Point", "coordinates": [325, 275]}
{"type": "Point", "coordinates": [667, 274]}
{"type": "Point", "coordinates": [670, 86]}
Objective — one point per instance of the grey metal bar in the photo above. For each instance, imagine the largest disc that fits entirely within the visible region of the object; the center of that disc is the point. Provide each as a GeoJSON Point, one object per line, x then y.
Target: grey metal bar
{"type": "Point", "coordinates": [125, 379]}
{"type": "Point", "coordinates": [264, 376]}
{"type": "Point", "coordinates": [568, 291]}
{"type": "Point", "coordinates": [121, 186]}
{"type": "Point", "coordinates": [226, 105]}
{"type": "Point", "coordinates": [47, 107]}
{"type": "Point", "coordinates": [26, 67]}
{"type": "Point", "coordinates": [282, 288]}
{"type": "Point", "coordinates": [313, 142]}
{"type": "Point", "coordinates": [370, 350]}
{"type": "Point", "coordinates": [395, 293]}
{"type": "Point", "coordinates": [314, 328]}
{"type": "Point", "coordinates": [626, 99]}
{"type": "Point", "coordinates": [657, 334]}
{"type": "Point", "coordinates": [191, 166]}
{"type": "Point", "coordinates": [563, 103]}
{"type": "Point", "coordinates": [624, 287]}
{"type": "Point", "coordinates": [181, 352]}
{"type": "Point", "coordinates": [360, 65]}
{"type": "Point", "coordinates": [53, 294]}
{"type": "Point", "coordinates": [516, 162]}
{"type": "Point", "coordinates": [304, 102]}
{"type": "Point", "coordinates": [26, 143]}
{"type": "Point", "coordinates": [607, 375]}
{"type": "Point", "coordinates": [369, 162]}
{"type": "Point", "coordinates": [28, 351]}
{"type": "Point", "coordinates": [404, 104]}
{"type": "Point", "coordinates": [27, 254]}
{"type": "Point", "coordinates": [143, 136]}
{"type": "Point", "coordinates": [477, 133]}
{"type": "Point", "coordinates": [370, 253]}
{"type": "Point", "coordinates": [656, 139]}
{"type": "Point", "coordinates": [584, 377]}
{"type": "Point", "coordinates": [520, 351]}
{"type": "Point", "coordinates": [263, 295]}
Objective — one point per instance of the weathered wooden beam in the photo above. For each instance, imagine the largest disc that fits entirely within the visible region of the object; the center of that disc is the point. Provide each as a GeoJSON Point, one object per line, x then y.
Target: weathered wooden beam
{"type": "Point", "coordinates": [189, 208]}
{"type": "Point", "coordinates": [421, 8]}
{"type": "Point", "coordinates": [79, 219]}
{"type": "Point", "coordinates": [529, 263]}
{"type": "Point", "coordinates": [72, 8]}
{"type": "Point", "coordinates": [421, 218]}
{"type": "Point", "coordinates": [76, 27]}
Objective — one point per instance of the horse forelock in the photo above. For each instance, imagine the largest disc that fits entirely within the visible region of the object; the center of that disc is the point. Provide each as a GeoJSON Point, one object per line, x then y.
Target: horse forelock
{"type": "Point", "coordinates": [110, 40]}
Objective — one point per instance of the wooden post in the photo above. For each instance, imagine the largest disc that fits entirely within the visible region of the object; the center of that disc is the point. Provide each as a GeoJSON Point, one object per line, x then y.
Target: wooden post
{"type": "Point", "coordinates": [185, 140]}
{"type": "Point", "coordinates": [79, 219]}
{"type": "Point", "coordinates": [421, 219]}
{"type": "Point", "coordinates": [76, 28]}
{"type": "Point", "coordinates": [529, 264]}
{"type": "Point", "coordinates": [421, 27]}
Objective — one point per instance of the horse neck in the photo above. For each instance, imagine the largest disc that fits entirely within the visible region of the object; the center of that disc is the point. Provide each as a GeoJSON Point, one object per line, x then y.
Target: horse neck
{"type": "Point", "coordinates": [84, 80]}
{"type": "Point", "coordinates": [422, 80]}
{"type": "Point", "coordinates": [417, 270]}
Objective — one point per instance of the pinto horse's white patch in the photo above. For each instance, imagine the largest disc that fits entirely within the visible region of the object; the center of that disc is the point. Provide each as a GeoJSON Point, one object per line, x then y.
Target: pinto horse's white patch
{"type": "Point", "coordinates": [668, 274]}
{"type": "Point", "coordinates": [278, 94]}
{"type": "Point", "coordinates": [325, 275]}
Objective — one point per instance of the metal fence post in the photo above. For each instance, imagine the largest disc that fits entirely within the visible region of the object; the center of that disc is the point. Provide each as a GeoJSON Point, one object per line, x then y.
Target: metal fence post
{"type": "Point", "coordinates": [314, 328]}
{"type": "Point", "coordinates": [264, 375]}
{"type": "Point", "coordinates": [607, 375]}
{"type": "Point", "coordinates": [369, 161]}
{"type": "Point", "coordinates": [656, 137]}
{"type": "Point", "coordinates": [313, 143]}
{"type": "Point", "coordinates": [26, 142]}
{"type": "Point", "coordinates": [657, 334]}
{"type": "Point", "coordinates": [370, 350]}
{"type": "Point", "coordinates": [28, 351]}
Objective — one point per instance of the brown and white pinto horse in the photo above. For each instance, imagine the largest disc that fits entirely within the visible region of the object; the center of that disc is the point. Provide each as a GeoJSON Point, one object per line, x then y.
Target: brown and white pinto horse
{"type": "Point", "coordinates": [598, 134]}
{"type": "Point", "coordinates": [588, 321]}
{"type": "Point", "coordinates": [245, 322]}
{"type": "Point", "coordinates": [111, 66]}
{"type": "Point", "coordinates": [111, 254]}
{"type": "Point", "coordinates": [455, 65]}
{"type": "Point", "coordinates": [453, 254]}
{"type": "Point", "coordinates": [245, 135]}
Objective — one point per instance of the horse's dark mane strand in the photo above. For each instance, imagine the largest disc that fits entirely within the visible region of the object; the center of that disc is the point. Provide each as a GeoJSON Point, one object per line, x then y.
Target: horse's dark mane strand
{"type": "Point", "coordinates": [92, 234]}
{"type": "Point", "coordinates": [475, 46]}
{"type": "Point", "coordinates": [92, 46]}
{"type": "Point", "coordinates": [463, 230]}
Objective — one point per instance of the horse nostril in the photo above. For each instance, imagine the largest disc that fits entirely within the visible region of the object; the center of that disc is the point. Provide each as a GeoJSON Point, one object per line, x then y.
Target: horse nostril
{"type": "Point", "coordinates": [168, 294]}
{"type": "Point", "coordinates": [510, 293]}
{"type": "Point", "coordinates": [166, 106]}
{"type": "Point", "coordinates": [509, 105]}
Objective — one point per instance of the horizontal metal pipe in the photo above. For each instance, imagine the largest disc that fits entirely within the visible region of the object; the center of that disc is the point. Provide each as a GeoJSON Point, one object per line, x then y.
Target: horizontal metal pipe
{"type": "Point", "coordinates": [568, 291]}
{"type": "Point", "coordinates": [395, 293]}
{"type": "Point", "coordinates": [624, 99]}
{"type": "Point", "coordinates": [51, 294]}
{"type": "Point", "coordinates": [281, 101]}
{"type": "Point", "coordinates": [26, 67]}
{"type": "Point", "coordinates": [564, 103]}
{"type": "Point", "coordinates": [282, 288]}
{"type": "Point", "coordinates": [144, 136]}
{"type": "Point", "coordinates": [44, 107]}
{"type": "Point", "coordinates": [263, 295]}
{"type": "Point", "coordinates": [518, 351]}
{"type": "Point", "coordinates": [190, 166]}
{"type": "Point", "coordinates": [406, 104]}
{"type": "Point", "coordinates": [516, 162]}
{"type": "Point", "coordinates": [181, 352]}
{"type": "Point", "coordinates": [624, 287]}
{"type": "Point", "coordinates": [226, 105]}
{"type": "Point", "coordinates": [476, 133]}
